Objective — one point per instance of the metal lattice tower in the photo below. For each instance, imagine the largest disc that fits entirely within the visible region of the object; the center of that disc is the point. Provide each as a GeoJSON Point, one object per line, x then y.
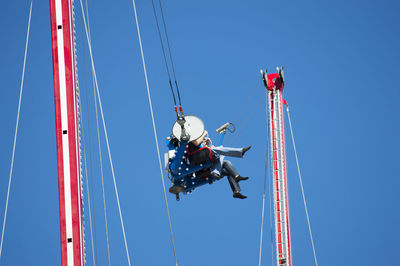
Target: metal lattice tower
{"type": "Point", "coordinates": [274, 84]}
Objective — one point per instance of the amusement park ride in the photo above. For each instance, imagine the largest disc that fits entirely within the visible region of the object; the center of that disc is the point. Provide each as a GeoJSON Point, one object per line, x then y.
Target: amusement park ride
{"type": "Point", "coordinates": [185, 176]}
{"type": "Point", "coordinates": [274, 84]}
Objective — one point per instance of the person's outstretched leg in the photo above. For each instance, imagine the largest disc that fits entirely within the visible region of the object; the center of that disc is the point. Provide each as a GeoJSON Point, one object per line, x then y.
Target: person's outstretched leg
{"type": "Point", "coordinates": [231, 174]}
{"type": "Point", "coordinates": [229, 151]}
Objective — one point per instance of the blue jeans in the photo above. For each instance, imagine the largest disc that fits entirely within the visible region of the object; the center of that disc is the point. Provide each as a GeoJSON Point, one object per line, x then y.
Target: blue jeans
{"type": "Point", "coordinates": [230, 172]}
{"type": "Point", "coordinates": [220, 152]}
{"type": "Point", "coordinates": [228, 151]}
{"type": "Point", "coordinates": [222, 168]}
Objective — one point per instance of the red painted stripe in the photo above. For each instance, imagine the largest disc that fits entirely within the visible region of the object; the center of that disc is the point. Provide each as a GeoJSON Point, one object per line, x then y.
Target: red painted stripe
{"type": "Point", "coordinates": [57, 105]}
{"type": "Point", "coordinates": [68, 49]}
{"type": "Point", "coordinates": [70, 86]}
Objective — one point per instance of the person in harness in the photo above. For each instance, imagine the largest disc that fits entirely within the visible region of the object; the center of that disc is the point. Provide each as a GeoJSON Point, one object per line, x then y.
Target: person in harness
{"type": "Point", "coordinates": [201, 151]}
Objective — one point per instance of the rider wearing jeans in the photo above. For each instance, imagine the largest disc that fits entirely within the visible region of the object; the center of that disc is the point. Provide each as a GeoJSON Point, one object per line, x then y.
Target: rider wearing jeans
{"type": "Point", "coordinates": [220, 166]}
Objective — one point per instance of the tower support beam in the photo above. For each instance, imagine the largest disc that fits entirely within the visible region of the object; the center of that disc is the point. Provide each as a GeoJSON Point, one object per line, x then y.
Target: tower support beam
{"type": "Point", "coordinates": [67, 132]}
{"type": "Point", "coordinates": [274, 84]}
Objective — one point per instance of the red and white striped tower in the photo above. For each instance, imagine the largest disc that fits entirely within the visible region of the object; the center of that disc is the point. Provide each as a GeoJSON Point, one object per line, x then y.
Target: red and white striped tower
{"type": "Point", "coordinates": [274, 84]}
{"type": "Point", "coordinates": [67, 132]}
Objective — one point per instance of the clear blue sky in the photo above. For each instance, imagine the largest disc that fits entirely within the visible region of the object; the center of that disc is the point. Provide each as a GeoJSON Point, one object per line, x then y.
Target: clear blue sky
{"type": "Point", "coordinates": [341, 62]}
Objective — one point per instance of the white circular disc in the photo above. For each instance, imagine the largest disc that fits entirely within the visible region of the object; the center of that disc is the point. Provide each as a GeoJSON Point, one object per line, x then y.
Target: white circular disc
{"type": "Point", "coordinates": [193, 126]}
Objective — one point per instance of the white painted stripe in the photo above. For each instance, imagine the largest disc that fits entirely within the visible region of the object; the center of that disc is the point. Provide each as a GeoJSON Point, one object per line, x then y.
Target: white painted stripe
{"type": "Point", "coordinates": [65, 140]}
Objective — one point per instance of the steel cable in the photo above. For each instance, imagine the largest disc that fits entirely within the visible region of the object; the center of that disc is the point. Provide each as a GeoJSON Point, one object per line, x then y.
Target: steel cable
{"type": "Point", "coordinates": [92, 226]}
{"type": "Point", "coordinates": [106, 136]}
{"type": "Point", "coordinates": [170, 53]}
{"type": "Point", "coordinates": [87, 181]}
{"type": "Point", "coordinates": [163, 51]}
{"type": "Point", "coordinates": [244, 124]}
{"type": "Point", "coordinates": [268, 158]}
{"type": "Point", "coordinates": [89, 135]}
{"type": "Point", "coordinates": [265, 181]}
{"type": "Point", "coordinates": [154, 129]}
{"type": "Point", "coordinates": [301, 184]}
{"type": "Point", "coordinates": [238, 120]}
{"type": "Point", "coordinates": [16, 128]}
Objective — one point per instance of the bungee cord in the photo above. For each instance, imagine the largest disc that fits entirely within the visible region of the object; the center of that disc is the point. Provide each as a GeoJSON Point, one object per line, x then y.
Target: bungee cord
{"type": "Point", "coordinates": [301, 185]}
{"type": "Point", "coordinates": [154, 129]}
{"type": "Point", "coordinates": [16, 128]}
{"type": "Point", "coordinates": [106, 135]}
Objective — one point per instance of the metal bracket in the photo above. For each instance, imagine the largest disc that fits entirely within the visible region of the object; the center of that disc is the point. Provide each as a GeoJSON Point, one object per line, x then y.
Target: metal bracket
{"type": "Point", "coordinates": [184, 135]}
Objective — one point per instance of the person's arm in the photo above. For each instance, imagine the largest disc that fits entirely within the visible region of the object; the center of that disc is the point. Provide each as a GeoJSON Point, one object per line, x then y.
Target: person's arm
{"type": "Point", "coordinates": [198, 141]}
{"type": "Point", "coordinates": [206, 141]}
